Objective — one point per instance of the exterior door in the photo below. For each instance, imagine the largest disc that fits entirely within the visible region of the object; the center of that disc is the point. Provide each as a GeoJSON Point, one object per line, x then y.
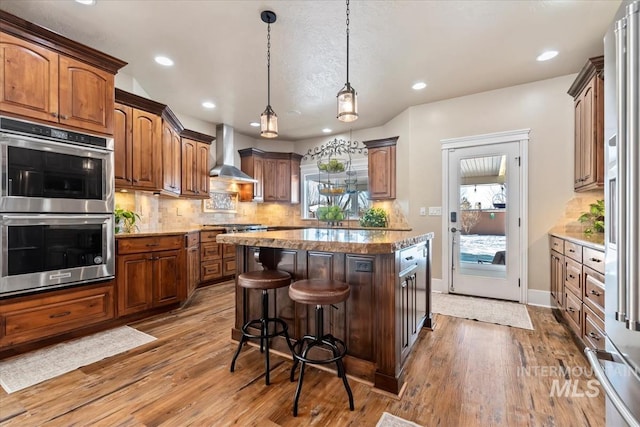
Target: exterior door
{"type": "Point", "coordinates": [483, 215]}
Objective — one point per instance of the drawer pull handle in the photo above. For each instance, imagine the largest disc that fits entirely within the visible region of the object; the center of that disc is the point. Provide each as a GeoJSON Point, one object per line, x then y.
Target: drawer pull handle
{"type": "Point", "coordinates": [409, 258]}
{"type": "Point", "coordinates": [571, 309]}
{"type": "Point", "coordinates": [594, 292]}
{"type": "Point", "coordinates": [64, 313]}
{"type": "Point", "coordinates": [595, 260]}
{"type": "Point", "coordinates": [572, 276]}
{"type": "Point", "coordinates": [153, 244]}
{"type": "Point", "coordinates": [594, 336]}
{"type": "Point", "coordinates": [572, 251]}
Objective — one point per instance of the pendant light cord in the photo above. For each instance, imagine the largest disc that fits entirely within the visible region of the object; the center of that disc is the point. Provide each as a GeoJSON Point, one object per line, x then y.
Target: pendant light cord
{"type": "Point", "coordinates": [347, 41]}
{"type": "Point", "coordinates": [268, 64]}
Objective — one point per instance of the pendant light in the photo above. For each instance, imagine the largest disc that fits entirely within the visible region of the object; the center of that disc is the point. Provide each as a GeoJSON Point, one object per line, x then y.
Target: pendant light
{"type": "Point", "coordinates": [268, 119]}
{"type": "Point", "coordinates": [347, 97]}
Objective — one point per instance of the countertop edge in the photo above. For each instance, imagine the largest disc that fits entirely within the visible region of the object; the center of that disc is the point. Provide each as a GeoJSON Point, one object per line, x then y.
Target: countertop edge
{"type": "Point", "coordinates": [580, 239]}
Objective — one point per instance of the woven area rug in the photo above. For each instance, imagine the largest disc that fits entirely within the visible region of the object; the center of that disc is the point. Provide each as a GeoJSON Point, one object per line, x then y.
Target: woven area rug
{"type": "Point", "coordinates": [482, 309]}
{"type": "Point", "coordinates": [25, 370]}
{"type": "Point", "coordinates": [388, 420]}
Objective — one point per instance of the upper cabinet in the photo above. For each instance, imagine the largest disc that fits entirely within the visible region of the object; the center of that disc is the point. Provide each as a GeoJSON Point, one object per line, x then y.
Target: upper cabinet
{"type": "Point", "coordinates": [171, 154]}
{"type": "Point", "coordinates": [49, 78]}
{"type": "Point", "coordinates": [382, 168]}
{"type": "Point", "coordinates": [195, 164]}
{"type": "Point", "coordinates": [588, 94]}
{"type": "Point", "coordinates": [278, 175]}
{"type": "Point", "coordinates": [137, 141]}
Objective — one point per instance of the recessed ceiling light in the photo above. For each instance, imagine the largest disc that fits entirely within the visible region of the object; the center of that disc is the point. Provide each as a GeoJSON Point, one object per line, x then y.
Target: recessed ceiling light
{"type": "Point", "coordinates": [326, 130]}
{"type": "Point", "coordinates": [254, 124]}
{"type": "Point", "coordinates": [545, 56]}
{"type": "Point", "coordinates": [208, 104]}
{"type": "Point", "coordinates": [163, 60]}
{"type": "Point", "coordinates": [419, 86]}
{"type": "Point", "coordinates": [87, 2]}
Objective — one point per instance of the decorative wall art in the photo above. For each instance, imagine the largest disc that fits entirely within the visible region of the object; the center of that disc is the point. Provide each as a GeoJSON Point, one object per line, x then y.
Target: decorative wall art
{"type": "Point", "coordinates": [221, 201]}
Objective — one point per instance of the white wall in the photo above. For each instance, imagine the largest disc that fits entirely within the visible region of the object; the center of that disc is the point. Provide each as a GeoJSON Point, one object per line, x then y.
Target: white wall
{"type": "Point", "coordinates": [544, 107]}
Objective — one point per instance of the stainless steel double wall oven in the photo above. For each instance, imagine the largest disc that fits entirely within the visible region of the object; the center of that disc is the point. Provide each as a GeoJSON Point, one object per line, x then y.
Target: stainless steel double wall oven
{"type": "Point", "coordinates": [56, 207]}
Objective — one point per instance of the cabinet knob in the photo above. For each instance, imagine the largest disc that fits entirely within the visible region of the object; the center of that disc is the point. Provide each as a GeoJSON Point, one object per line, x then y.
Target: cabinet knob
{"type": "Point", "coordinates": [594, 292]}
{"type": "Point", "coordinates": [54, 114]}
{"type": "Point", "coordinates": [63, 117]}
{"type": "Point", "coordinates": [594, 336]}
{"type": "Point", "coordinates": [571, 309]}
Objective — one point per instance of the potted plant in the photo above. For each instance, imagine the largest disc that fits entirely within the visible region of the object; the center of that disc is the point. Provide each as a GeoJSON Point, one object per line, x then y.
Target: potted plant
{"type": "Point", "coordinates": [594, 218]}
{"type": "Point", "coordinates": [125, 220]}
{"type": "Point", "coordinates": [374, 217]}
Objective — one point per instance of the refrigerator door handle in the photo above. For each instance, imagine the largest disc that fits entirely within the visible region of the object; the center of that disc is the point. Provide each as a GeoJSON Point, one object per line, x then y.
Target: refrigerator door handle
{"type": "Point", "coordinates": [633, 166]}
{"type": "Point", "coordinates": [609, 389]}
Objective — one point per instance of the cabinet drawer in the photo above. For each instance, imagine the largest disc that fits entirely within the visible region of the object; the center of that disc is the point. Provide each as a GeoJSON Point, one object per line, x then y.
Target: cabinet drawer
{"type": "Point", "coordinates": [210, 251]}
{"type": "Point", "coordinates": [573, 250]}
{"type": "Point", "coordinates": [209, 236]}
{"type": "Point", "coordinates": [556, 244]}
{"type": "Point", "coordinates": [593, 259]}
{"type": "Point", "coordinates": [593, 290]}
{"type": "Point", "coordinates": [192, 239]}
{"type": "Point", "coordinates": [210, 270]}
{"type": "Point", "coordinates": [31, 319]}
{"type": "Point", "coordinates": [228, 266]}
{"type": "Point", "coordinates": [228, 251]}
{"type": "Point", "coordinates": [132, 245]}
{"type": "Point", "coordinates": [573, 312]}
{"type": "Point", "coordinates": [573, 276]}
{"type": "Point", "coordinates": [593, 329]}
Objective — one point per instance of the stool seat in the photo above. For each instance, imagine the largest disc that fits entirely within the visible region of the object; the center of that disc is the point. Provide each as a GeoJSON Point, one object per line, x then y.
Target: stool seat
{"type": "Point", "coordinates": [319, 291]}
{"type": "Point", "coordinates": [264, 279]}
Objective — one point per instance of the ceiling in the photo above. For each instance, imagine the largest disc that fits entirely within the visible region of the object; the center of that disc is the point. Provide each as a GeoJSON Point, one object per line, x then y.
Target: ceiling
{"type": "Point", "coordinates": [219, 48]}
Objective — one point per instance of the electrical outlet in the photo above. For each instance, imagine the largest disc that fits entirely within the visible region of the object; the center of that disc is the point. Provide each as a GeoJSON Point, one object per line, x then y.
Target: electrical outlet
{"type": "Point", "coordinates": [435, 210]}
{"type": "Point", "coordinates": [178, 212]}
{"type": "Point", "coordinates": [423, 211]}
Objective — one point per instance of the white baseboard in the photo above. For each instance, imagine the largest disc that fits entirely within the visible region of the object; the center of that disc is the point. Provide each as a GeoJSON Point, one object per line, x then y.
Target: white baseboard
{"type": "Point", "coordinates": [539, 298]}
{"type": "Point", "coordinates": [438, 285]}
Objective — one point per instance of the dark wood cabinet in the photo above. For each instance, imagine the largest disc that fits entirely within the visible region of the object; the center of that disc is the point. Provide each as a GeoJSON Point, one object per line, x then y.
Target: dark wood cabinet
{"type": "Point", "coordinates": [171, 154]}
{"type": "Point", "coordinates": [218, 260]}
{"type": "Point", "coordinates": [39, 82]}
{"type": "Point", "coordinates": [577, 287]}
{"type": "Point", "coordinates": [411, 298]}
{"type": "Point", "coordinates": [193, 261]}
{"type": "Point", "coordinates": [195, 164]}
{"type": "Point", "coordinates": [150, 272]}
{"type": "Point", "coordinates": [382, 168]}
{"type": "Point", "coordinates": [34, 317]}
{"type": "Point", "coordinates": [588, 93]}
{"type": "Point", "coordinates": [278, 175]}
{"type": "Point", "coordinates": [137, 142]}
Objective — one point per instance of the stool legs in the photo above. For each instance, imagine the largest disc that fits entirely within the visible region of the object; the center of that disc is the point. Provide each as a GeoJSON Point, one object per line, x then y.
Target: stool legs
{"type": "Point", "coordinates": [301, 351]}
{"type": "Point", "coordinates": [264, 336]}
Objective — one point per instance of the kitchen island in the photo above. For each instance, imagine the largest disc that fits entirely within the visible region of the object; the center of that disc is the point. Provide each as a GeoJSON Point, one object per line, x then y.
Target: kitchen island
{"type": "Point", "coordinates": [389, 273]}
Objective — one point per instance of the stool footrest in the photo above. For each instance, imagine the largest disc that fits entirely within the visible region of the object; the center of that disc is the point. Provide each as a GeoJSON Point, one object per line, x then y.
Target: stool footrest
{"type": "Point", "coordinates": [257, 323]}
{"type": "Point", "coordinates": [337, 347]}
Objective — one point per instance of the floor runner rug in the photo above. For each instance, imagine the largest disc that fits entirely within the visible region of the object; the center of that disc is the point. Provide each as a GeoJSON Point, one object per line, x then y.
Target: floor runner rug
{"type": "Point", "coordinates": [482, 309]}
{"type": "Point", "coordinates": [25, 370]}
{"type": "Point", "coordinates": [389, 420]}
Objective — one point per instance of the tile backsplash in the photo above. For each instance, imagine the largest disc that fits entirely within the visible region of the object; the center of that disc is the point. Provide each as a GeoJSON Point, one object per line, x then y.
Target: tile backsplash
{"type": "Point", "coordinates": [576, 207]}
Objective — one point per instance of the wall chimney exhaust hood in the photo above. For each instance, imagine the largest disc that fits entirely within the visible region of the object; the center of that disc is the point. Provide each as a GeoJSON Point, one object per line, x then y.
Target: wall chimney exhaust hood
{"type": "Point", "coordinates": [225, 170]}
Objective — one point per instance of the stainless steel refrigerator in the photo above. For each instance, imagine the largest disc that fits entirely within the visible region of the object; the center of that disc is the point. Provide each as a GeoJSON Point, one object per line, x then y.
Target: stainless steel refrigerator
{"type": "Point", "coordinates": [618, 367]}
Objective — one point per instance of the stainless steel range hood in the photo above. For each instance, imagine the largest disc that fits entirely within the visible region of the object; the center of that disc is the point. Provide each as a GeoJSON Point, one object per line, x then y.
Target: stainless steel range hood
{"type": "Point", "coordinates": [225, 170]}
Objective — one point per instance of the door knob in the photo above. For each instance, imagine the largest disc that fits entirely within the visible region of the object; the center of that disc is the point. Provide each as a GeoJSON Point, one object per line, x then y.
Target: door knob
{"type": "Point", "coordinates": [453, 229]}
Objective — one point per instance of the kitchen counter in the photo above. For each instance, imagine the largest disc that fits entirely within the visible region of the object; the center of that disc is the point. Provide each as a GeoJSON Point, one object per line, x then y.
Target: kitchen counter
{"type": "Point", "coordinates": [367, 241]}
{"type": "Point", "coordinates": [595, 240]}
{"type": "Point", "coordinates": [389, 273]}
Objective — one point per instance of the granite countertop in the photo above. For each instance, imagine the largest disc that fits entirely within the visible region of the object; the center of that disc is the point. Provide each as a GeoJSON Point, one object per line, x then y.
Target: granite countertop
{"type": "Point", "coordinates": [330, 240]}
{"type": "Point", "coordinates": [595, 240]}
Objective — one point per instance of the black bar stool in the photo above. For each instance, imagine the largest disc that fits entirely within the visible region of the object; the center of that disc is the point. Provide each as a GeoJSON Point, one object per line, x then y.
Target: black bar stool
{"type": "Point", "coordinates": [319, 292]}
{"type": "Point", "coordinates": [263, 280]}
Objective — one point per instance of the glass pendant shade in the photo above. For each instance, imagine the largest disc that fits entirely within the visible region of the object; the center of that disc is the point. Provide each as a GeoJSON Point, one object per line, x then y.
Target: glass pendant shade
{"type": "Point", "coordinates": [268, 123]}
{"type": "Point", "coordinates": [347, 104]}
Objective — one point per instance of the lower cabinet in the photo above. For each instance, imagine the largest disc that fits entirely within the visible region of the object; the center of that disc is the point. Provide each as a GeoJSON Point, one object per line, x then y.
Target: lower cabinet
{"type": "Point", "coordinates": [577, 286]}
{"type": "Point", "coordinates": [193, 261]}
{"type": "Point", "coordinates": [29, 318]}
{"type": "Point", "coordinates": [412, 298]}
{"type": "Point", "coordinates": [218, 260]}
{"type": "Point", "coordinates": [150, 272]}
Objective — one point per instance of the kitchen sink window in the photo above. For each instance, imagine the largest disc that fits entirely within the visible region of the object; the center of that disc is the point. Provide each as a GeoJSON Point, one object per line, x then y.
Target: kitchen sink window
{"type": "Point", "coordinates": [353, 198]}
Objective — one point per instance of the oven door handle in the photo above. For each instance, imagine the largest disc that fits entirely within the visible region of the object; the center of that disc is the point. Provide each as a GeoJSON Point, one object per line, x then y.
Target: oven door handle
{"type": "Point", "coordinates": [609, 389]}
{"type": "Point", "coordinates": [41, 219]}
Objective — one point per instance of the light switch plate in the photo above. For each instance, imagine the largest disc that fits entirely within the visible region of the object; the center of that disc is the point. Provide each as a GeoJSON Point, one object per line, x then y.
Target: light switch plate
{"type": "Point", "coordinates": [435, 210]}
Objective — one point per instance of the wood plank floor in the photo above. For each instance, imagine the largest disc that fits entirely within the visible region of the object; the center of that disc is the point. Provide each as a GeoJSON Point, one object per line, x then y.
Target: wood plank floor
{"type": "Point", "coordinates": [465, 373]}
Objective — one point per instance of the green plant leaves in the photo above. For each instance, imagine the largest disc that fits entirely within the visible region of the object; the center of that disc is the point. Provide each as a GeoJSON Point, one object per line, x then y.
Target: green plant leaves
{"type": "Point", "coordinates": [594, 218]}
{"type": "Point", "coordinates": [374, 217]}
